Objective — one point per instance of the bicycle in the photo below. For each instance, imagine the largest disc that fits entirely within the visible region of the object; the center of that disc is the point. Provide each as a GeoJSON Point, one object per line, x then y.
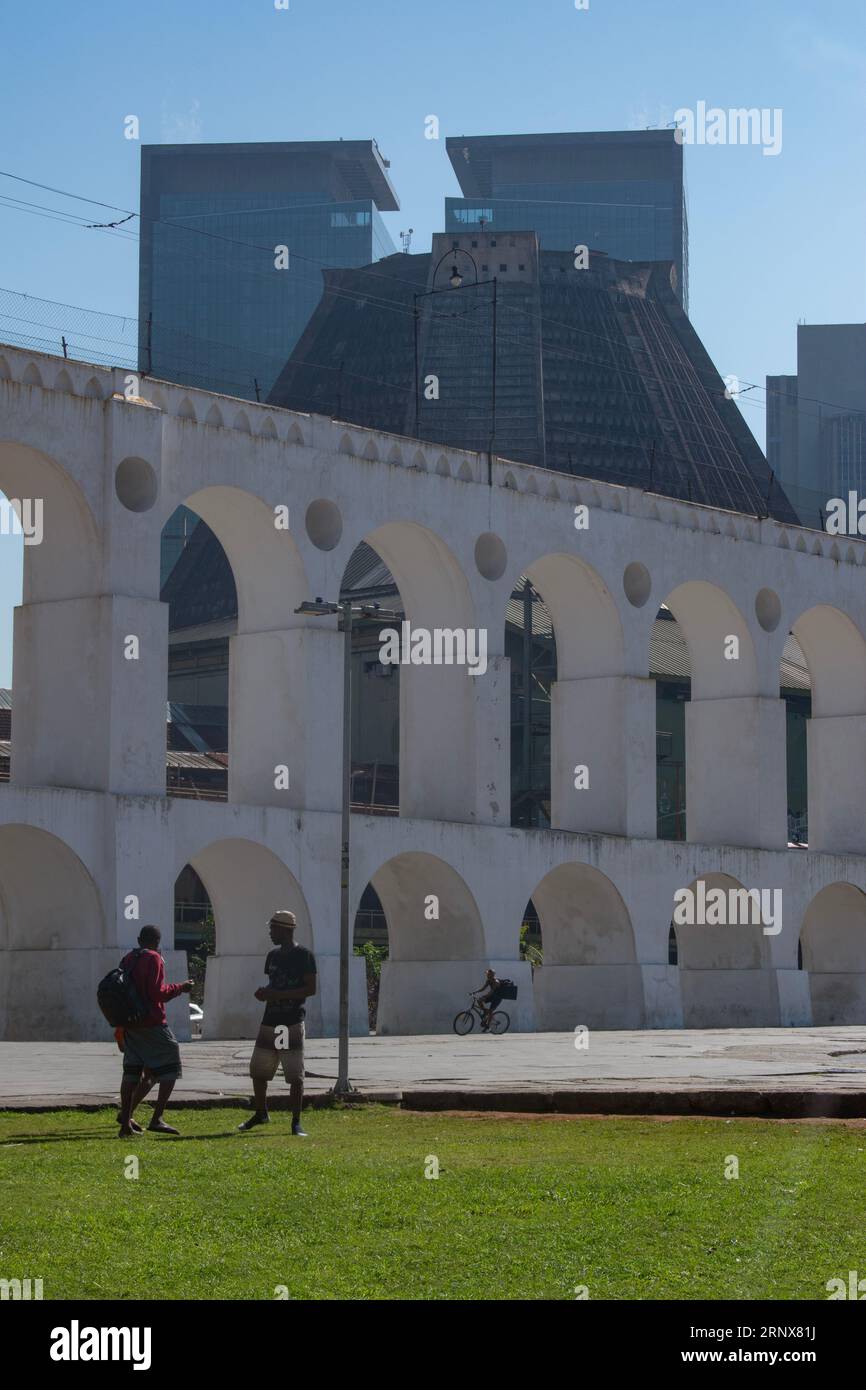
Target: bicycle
{"type": "Point", "coordinates": [464, 1022]}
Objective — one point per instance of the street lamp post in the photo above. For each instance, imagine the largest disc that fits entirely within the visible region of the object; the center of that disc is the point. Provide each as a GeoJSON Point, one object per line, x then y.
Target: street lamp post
{"type": "Point", "coordinates": [347, 612]}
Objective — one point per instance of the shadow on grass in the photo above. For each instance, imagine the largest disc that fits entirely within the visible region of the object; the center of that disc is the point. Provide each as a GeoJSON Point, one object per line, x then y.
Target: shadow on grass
{"type": "Point", "coordinates": [87, 1136]}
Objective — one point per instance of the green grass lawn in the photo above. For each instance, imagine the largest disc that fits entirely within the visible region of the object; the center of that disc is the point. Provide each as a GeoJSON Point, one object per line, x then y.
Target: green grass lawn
{"type": "Point", "coordinates": [522, 1208]}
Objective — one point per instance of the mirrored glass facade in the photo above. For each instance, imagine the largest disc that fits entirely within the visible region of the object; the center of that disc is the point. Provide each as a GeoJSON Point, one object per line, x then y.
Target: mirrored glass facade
{"type": "Point", "coordinates": [221, 301]}
{"type": "Point", "coordinates": [620, 192]}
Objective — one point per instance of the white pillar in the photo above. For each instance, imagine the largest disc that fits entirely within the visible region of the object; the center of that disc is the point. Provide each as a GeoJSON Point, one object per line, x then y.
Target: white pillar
{"type": "Point", "coordinates": [736, 778]}
{"type": "Point", "coordinates": [266, 718]}
{"type": "Point", "coordinates": [437, 748]}
{"type": "Point", "coordinates": [493, 743]}
{"type": "Point", "coordinates": [90, 681]}
{"type": "Point", "coordinates": [607, 725]}
{"type": "Point", "coordinates": [836, 753]}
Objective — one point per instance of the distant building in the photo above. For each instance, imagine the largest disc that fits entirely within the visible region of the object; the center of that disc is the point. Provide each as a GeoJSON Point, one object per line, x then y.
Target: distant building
{"type": "Point", "coordinates": [597, 371]}
{"type": "Point", "coordinates": [621, 192]}
{"type": "Point", "coordinates": [816, 420]}
{"type": "Point", "coordinates": [214, 310]}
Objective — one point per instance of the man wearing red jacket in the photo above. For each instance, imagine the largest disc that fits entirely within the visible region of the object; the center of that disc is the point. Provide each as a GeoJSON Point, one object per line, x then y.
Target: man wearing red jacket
{"type": "Point", "coordinates": [150, 1047]}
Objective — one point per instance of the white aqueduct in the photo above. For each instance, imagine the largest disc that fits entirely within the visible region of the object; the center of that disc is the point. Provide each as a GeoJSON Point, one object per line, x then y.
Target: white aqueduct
{"type": "Point", "coordinates": [86, 826]}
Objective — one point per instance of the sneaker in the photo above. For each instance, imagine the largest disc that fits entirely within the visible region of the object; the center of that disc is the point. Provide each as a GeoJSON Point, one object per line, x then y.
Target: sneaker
{"type": "Point", "coordinates": [298, 1130]}
{"type": "Point", "coordinates": [254, 1120]}
{"type": "Point", "coordinates": [160, 1127]}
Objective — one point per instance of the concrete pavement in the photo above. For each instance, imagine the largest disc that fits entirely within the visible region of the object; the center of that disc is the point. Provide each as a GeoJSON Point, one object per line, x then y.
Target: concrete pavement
{"type": "Point", "coordinates": [782, 1071]}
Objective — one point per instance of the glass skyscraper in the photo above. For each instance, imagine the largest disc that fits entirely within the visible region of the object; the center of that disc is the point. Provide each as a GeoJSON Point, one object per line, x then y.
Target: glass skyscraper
{"type": "Point", "coordinates": [217, 308]}
{"type": "Point", "coordinates": [620, 192]}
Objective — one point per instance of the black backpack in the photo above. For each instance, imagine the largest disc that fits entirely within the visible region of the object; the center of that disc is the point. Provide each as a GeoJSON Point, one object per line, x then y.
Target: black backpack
{"type": "Point", "coordinates": [508, 989]}
{"type": "Point", "coordinates": [118, 997]}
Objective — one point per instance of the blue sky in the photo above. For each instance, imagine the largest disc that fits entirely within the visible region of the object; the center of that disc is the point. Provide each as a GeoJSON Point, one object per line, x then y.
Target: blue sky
{"type": "Point", "coordinates": [772, 239]}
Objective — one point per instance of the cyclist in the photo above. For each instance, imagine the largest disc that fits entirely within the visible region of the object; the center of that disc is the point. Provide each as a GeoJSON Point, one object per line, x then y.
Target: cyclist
{"type": "Point", "coordinates": [488, 996]}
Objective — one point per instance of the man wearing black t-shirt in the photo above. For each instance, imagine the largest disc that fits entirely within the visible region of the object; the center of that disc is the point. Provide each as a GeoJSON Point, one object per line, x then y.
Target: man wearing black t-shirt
{"type": "Point", "coordinates": [291, 972]}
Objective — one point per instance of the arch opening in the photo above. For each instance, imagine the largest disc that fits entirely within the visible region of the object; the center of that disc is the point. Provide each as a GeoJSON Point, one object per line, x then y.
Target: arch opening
{"type": "Point", "coordinates": [530, 646]}
{"type": "Point", "coordinates": [834, 649]}
{"type": "Point", "coordinates": [833, 951]}
{"type": "Point", "coordinates": [244, 883]}
{"type": "Point", "coordinates": [564, 639]}
{"type": "Point", "coordinates": [589, 976]}
{"type": "Point", "coordinates": [412, 676]}
{"type": "Point", "coordinates": [52, 940]}
{"type": "Point", "coordinates": [436, 945]}
{"type": "Point", "coordinates": [49, 563]}
{"type": "Point", "coordinates": [232, 575]}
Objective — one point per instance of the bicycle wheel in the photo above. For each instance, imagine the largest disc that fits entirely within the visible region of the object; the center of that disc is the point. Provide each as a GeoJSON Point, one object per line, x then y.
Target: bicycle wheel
{"type": "Point", "coordinates": [500, 1022]}
{"type": "Point", "coordinates": [464, 1022]}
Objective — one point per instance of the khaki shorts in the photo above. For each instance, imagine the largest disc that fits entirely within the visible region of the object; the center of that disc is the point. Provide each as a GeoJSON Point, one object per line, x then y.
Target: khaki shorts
{"type": "Point", "coordinates": [267, 1055]}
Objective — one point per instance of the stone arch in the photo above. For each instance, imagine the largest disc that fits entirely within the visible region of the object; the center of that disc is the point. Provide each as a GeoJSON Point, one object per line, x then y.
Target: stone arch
{"type": "Point", "coordinates": [707, 615]}
{"type": "Point", "coordinates": [242, 422]}
{"type": "Point", "coordinates": [589, 636]}
{"type": "Point", "coordinates": [66, 562]}
{"type": "Point", "coordinates": [835, 651]}
{"type": "Point", "coordinates": [590, 974]}
{"type": "Point", "coordinates": [246, 882]}
{"type": "Point", "coordinates": [437, 702]}
{"type": "Point", "coordinates": [214, 416]}
{"type": "Point", "coordinates": [833, 940]}
{"type": "Point", "coordinates": [433, 962]}
{"type": "Point", "coordinates": [266, 562]}
{"type": "Point", "coordinates": [93, 389]}
{"type": "Point", "coordinates": [721, 727]}
{"type": "Point", "coordinates": [55, 623]}
{"type": "Point", "coordinates": [586, 693]}
{"type": "Point", "coordinates": [726, 978]}
{"type": "Point", "coordinates": [49, 903]}
{"type": "Point", "coordinates": [32, 375]}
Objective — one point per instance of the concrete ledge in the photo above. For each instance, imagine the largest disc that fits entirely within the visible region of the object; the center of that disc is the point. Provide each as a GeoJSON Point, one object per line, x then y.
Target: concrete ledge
{"type": "Point", "coordinates": [772, 1105]}
{"type": "Point", "coordinates": [46, 1105]}
{"type": "Point", "coordinates": [734, 1103]}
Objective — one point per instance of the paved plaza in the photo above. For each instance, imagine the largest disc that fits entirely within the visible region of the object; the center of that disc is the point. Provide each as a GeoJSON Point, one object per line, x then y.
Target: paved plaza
{"type": "Point", "coordinates": [753, 1069]}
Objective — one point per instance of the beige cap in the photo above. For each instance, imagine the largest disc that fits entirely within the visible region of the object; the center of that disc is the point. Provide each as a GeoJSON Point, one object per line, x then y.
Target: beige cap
{"type": "Point", "coordinates": [283, 918]}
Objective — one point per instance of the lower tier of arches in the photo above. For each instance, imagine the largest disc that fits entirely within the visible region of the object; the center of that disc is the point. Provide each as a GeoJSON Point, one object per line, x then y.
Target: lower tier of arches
{"type": "Point", "coordinates": [81, 872]}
